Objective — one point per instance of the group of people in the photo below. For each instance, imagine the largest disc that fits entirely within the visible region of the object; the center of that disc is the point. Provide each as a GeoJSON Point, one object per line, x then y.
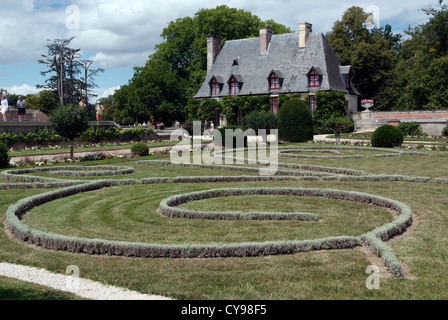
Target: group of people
{"type": "Point", "coordinates": [158, 125]}
{"type": "Point", "coordinates": [209, 128]}
{"type": "Point", "coordinates": [99, 109]}
{"type": "Point", "coordinates": [21, 108]}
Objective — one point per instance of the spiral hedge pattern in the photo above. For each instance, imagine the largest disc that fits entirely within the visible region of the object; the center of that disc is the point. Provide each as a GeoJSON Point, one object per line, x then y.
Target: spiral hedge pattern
{"type": "Point", "coordinates": [375, 239]}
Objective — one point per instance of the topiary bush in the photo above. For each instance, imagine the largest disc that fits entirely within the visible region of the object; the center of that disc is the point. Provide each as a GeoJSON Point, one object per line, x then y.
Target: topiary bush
{"type": "Point", "coordinates": [387, 136]}
{"type": "Point", "coordinates": [410, 128]}
{"type": "Point", "coordinates": [295, 121]}
{"type": "Point", "coordinates": [4, 158]}
{"type": "Point", "coordinates": [238, 136]}
{"type": "Point", "coordinates": [140, 149]}
{"type": "Point", "coordinates": [445, 132]}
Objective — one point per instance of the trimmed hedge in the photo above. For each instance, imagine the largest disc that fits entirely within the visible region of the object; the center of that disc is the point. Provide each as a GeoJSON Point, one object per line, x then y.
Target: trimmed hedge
{"type": "Point", "coordinates": [141, 149]}
{"type": "Point", "coordinates": [4, 158]}
{"type": "Point", "coordinates": [375, 238]}
{"type": "Point", "coordinates": [387, 136]}
{"type": "Point", "coordinates": [295, 121]}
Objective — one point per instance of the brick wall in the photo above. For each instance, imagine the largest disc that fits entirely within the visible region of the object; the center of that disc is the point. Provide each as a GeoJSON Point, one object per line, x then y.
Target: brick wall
{"type": "Point", "coordinates": [432, 121]}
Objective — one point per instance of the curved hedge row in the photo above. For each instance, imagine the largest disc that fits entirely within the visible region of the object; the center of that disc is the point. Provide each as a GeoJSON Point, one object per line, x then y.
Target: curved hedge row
{"type": "Point", "coordinates": [53, 241]}
{"type": "Point", "coordinates": [168, 207]}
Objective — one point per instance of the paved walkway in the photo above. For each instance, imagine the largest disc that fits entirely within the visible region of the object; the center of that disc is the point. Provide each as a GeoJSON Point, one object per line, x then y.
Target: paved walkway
{"type": "Point", "coordinates": [83, 288]}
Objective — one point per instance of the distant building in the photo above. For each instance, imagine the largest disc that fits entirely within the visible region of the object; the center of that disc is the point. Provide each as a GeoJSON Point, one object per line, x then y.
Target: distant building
{"type": "Point", "coordinates": [302, 63]}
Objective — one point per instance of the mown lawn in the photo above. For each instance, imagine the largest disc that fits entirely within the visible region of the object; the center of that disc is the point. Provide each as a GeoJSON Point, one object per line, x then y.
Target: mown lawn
{"type": "Point", "coordinates": [129, 213]}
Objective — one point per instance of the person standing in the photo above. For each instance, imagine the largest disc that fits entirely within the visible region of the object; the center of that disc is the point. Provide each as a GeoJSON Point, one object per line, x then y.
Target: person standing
{"type": "Point", "coordinates": [4, 107]}
{"type": "Point", "coordinates": [99, 111]}
{"type": "Point", "coordinates": [82, 103]}
{"type": "Point", "coordinates": [21, 107]}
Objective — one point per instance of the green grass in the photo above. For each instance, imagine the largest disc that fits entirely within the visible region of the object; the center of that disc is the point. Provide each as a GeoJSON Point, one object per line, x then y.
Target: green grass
{"type": "Point", "coordinates": [368, 136]}
{"type": "Point", "coordinates": [11, 289]}
{"type": "Point", "coordinates": [93, 147]}
{"type": "Point", "coordinates": [129, 213]}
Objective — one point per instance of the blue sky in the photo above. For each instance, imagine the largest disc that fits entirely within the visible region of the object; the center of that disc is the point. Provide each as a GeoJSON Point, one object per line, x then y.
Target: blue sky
{"type": "Point", "coordinates": [120, 34]}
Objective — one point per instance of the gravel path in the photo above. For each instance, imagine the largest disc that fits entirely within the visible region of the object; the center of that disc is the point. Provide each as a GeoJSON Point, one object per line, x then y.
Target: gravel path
{"type": "Point", "coordinates": [81, 287]}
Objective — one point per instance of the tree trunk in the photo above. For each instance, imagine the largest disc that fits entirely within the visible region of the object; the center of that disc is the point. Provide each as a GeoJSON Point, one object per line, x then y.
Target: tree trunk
{"type": "Point", "coordinates": [338, 137]}
{"type": "Point", "coordinates": [72, 147]}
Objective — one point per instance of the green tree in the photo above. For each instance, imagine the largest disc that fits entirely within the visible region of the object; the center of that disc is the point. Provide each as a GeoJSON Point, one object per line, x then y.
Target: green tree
{"type": "Point", "coordinates": [295, 121]}
{"type": "Point", "coordinates": [372, 55]}
{"type": "Point", "coordinates": [330, 104]}
{"type": "Point", "coordinates": [338, 125]}
{"type": "Point", "coordinates": [4, 158]}
{"type": "Point", "coordinates": [177, 69]}
{"type": "Point", "coordinates": [70, 122]}
{"type": "Point", "coordinates": [421, 67]}
{"type": "Point", "coordinates": [45, 101]}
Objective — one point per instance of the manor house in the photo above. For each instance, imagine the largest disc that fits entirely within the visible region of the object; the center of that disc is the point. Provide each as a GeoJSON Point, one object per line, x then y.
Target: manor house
{"type": "Point", "coordinates": [302, 63]}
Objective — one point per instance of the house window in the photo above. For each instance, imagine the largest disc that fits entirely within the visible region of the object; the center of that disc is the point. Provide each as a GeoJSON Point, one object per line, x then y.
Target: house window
{"type": "Point", "coordinates": [214, 85]}
{"type": "Point", "coordinates": [347, 82]}
{"type": "Point", "coordinates": [312, 104]}
{"type": "Point", "coordinates": [274, 82]}
{"type": "Point", "coordinates": [234, 87]}
{"type": "Point", "coordinates": [314, 79]}
{"type": "Point", "coordinates": [274, 105]}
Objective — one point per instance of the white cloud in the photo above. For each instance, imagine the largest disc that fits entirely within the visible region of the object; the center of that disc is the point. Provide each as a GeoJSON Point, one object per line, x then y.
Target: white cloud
{"type": "Point", "coordinates": [108, 92]}
{"type": "Point", "coordinates": [118, 33]}
{"type": "Point", "coordinates": [23, 89]}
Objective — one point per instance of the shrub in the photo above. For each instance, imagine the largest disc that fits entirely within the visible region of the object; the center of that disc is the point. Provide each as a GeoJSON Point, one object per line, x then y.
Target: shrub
{"type": "Point", "coordinates": [260, 120]}
{"type": "Point", "coordinates": [70, 122]}
{"type": "Point", "coordinates": [329, 105]}
{"type": "Point", "coordinates": [239, 135]}
{"type": "Point", "coordinates": [140, 149]}
{"type": "Point", "coordinates": [139, 133]}
{"type": "Point", "coordinates": [410, 128]}
{"type": "Point", "coordinates": [387, 136]}
{"type": "Point", "coordinates": [445, 132]}
{"type": "Point", "coordinates": [4, 158]}
{"type": "Point", "coordinates": [295, 121]}
{"type": "Point", "coordinates": [339, 125]}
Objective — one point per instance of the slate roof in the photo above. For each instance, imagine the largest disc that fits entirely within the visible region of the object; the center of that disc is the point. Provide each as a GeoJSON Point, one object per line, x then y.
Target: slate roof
{"type": "Point", "coordinates": [284, 57]}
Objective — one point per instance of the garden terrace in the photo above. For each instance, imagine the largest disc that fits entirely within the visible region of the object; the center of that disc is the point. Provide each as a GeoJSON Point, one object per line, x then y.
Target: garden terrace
{"type": "Point", "coordinates": [324, 208]}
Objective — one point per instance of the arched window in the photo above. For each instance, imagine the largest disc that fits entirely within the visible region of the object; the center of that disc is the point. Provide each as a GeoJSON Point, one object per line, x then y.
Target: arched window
{"type": "Point", "coordinates": [274, 82]}
{"type": "Point", "coordinates": [214, 86]}
{"type": "Point", "coordinates": [314, 79]}
{"type": "Point", "coordinates": [234, 87]}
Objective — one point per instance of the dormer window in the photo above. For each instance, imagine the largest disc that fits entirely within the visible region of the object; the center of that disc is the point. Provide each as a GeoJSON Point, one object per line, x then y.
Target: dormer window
{"type": "Point", "coordinates": [274, 82]}
{"type": "Point", "coordinates": [275, 79]}
{"type": "Point", "coordinates": [234, 87]}
{"type": "Point", "coordinates": [314, 79]}
{"type": "Point", "coordinates": [235, 83]}
{"type": "Point", "coordinates": [347, 82]}
{"type": "Point", "coordinates": [214, 86]}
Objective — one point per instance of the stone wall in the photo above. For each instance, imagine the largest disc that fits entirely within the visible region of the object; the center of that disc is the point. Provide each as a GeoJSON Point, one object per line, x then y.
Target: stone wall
{"type": "Point", "coordinates": [432, 121]}
{"type": "Point", "coordinates": [35, 126]}
{"type": "Point", "coordinates": [31, 115]}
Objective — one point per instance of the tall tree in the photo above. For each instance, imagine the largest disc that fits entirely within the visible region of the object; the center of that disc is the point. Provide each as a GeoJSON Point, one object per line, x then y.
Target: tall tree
{"type": "Point", "coordinates": [65, 70]}
{"type": "Point", "coordinates": [422, 62]}
{"type": "Point", "coordinates": [371, 53]}
{"type": "Point", "coordinates": [182, 58]}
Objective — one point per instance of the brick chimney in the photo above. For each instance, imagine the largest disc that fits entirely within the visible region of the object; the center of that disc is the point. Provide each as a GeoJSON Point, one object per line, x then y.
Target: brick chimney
{"type": "Point", "coordinates": [213, 50]}
{"type": "Point", "coordinates": [305, 29]}
{"type": "Point", "coordinates": [265, 38]}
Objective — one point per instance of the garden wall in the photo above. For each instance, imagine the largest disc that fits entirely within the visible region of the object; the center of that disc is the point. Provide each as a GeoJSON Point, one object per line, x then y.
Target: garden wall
{"type": "Point", "coordinates": [432, 121]}
{"type": "Point", "coordinates": [33, 126]}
